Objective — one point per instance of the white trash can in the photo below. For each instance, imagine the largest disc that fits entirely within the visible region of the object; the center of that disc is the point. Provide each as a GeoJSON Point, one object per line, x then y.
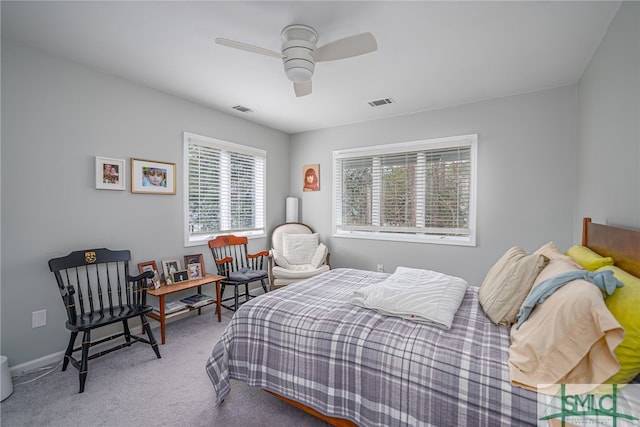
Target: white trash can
{"type": "Point", "coordinates": [5, 378]}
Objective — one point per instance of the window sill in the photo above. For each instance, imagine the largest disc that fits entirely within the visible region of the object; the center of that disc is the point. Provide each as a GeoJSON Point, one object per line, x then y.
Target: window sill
{"type": "Point", "coordinates": [402, 237]}
{"type": "Point", "coordinates": [203, 240]}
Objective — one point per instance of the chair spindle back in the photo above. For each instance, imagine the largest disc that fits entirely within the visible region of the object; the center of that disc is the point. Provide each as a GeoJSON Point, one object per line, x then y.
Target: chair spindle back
{"type": "Point", "coordinates": [230, 254]}
{"type": "Point", "coordinates": [94, 283]}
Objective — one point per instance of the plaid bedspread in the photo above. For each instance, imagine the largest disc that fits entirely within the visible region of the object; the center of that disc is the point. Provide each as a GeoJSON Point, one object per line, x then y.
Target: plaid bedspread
{"type": "Point", "coordinates": [308, 343]}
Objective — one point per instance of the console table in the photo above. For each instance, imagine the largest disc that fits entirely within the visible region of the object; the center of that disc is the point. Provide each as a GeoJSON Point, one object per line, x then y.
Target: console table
{"type": "Point", "coordinates": [165, 290]}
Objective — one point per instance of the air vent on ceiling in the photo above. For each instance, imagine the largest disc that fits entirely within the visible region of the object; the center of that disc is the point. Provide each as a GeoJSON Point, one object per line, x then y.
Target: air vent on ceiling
{"type": "Point", "coordinates": [242, 109]}
{"type": "Point", "coordinates": [380, 102]}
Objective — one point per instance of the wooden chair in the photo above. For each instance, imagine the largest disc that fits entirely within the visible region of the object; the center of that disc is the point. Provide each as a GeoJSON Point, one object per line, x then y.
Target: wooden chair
{"type": "Point", "coordinates": [97, 291]}
{"type": "Point", "coordinates": [238, 266]}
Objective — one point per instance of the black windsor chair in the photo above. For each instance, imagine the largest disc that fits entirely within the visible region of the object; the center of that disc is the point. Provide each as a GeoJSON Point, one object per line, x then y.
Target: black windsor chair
{"type": "Point", "coordinates": [97, 291]}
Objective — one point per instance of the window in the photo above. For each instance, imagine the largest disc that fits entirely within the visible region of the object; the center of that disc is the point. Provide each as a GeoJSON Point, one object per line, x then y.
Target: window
{"type": "Point", "coordinates": [224, 189]}
{"type": "Point", "coordinates": [420, 191]}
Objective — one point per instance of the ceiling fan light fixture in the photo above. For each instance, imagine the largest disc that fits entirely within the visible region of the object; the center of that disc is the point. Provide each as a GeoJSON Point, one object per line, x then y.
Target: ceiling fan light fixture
{"type": "Point", "coordinates": [297, 74]}
{"type": "Point", "coordinates": [299, 70]}
{"type": "Point", "coordinates": [298, 62]}
{"type": "Point", "coordinates": [299, 53]}
{"type": "Point", "coordinates": [299, 32]}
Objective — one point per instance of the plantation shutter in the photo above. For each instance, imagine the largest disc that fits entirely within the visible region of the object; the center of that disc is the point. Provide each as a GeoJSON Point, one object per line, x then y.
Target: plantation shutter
{"type": "Point", "coordinates": [448, 191]}
{"type": "Point", "coordinates": [420, 188]}
{"type": "Point", "coordinates": [226, 185]}
{"type": "Point", "coordinates": [355, 186]}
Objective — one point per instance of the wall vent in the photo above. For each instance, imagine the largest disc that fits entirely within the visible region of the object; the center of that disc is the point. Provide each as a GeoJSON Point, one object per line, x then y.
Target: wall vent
{"type": "Point", "coordinates": [242, 109]}
{"type": "Point", "coordinates": [380, 102]}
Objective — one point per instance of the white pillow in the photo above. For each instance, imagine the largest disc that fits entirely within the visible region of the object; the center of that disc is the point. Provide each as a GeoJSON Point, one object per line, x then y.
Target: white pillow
{"type": "Point", "coordinates": [299, 248]}
{"type": "Point", "coordinates": [319, 256]}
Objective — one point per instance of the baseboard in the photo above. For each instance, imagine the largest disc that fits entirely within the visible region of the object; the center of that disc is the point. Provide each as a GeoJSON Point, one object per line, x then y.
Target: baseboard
{"type": "Point", "coordinates": [57, 357]}
{"type": "Point", "coordinates": [51, 359]}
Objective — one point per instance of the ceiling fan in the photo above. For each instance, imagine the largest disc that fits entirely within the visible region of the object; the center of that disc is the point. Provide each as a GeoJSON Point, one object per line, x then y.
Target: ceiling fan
{"type": "Point", "coordinates": [300, 54]}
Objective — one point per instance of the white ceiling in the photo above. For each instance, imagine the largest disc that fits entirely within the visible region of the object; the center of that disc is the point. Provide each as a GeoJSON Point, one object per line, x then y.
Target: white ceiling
{"type": "Point", "coordinates": [430, 54]}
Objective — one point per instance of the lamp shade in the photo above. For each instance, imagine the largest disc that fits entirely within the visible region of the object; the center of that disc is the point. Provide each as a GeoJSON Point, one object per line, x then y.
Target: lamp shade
{"type": "Point", "coordinates": [291, 209]}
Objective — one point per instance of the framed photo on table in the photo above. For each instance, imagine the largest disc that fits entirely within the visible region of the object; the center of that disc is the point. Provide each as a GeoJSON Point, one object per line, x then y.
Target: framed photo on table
{"type": "Point", "coordinates": [180, 276]}
{"type": "Point", "coordinates": [170, 266]}
{"type": "Point", "coordinates": [152, 177]}
{"type": "Point", "coordinates": [150, 266]}
{"type": "Point", "coordinates": [195, 259]}
{"type": "Point", "coordinates": [110, 173]}
{"type": "Point", "coordinates": [195, 271]}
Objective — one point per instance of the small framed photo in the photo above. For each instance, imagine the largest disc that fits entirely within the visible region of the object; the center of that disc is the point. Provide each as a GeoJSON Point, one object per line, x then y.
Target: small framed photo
{"type": "Point", "coordinates": [152, 177]}
{"type": "Point", "coordinates": [170, 266]}
{"type": "Point", "coordinates": [311, 178]}
{"type": "Point", "coordinates": [195, 259]}
{"type": "Point", "coordinates": [180, 276]}
{"type": "Point", "coordinates": [150, 266]}
{"type": "Point", "coordinates": [110, 173]}
{"type": "Point", "coordinates": [195, 271]}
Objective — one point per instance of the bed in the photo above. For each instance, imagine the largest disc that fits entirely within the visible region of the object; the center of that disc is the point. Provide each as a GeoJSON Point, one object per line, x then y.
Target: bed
{"type": "Point", "coordinates": [310, 346]}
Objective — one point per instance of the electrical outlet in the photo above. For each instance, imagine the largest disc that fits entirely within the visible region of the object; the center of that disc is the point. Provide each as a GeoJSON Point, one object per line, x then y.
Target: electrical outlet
{"type": "Point", "coordinates": [380, 268]}
{"type": "Point", "coordinates": [38, 318]}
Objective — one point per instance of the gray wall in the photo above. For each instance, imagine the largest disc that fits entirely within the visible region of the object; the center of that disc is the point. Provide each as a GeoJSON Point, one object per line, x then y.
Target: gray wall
{"type": "Point", "coordinates": [609, 125]}
{"type": "Point", "coordinates": [545, 160]}
{"type": "Point", "coordinates": [526, 180]}
{"type": "Point", "coordinates": [56, 117]}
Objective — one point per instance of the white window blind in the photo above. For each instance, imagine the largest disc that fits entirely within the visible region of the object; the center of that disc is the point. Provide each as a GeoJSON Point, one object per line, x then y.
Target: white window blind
{"type": "Point", "coordinates": [418, 191]}
{"type": "Point", "coordinates": [225, 189]}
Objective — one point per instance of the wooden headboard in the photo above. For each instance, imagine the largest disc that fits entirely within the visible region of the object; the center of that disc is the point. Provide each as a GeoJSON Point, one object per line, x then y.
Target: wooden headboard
{"type": "Point", "coordinates": [621, 244]}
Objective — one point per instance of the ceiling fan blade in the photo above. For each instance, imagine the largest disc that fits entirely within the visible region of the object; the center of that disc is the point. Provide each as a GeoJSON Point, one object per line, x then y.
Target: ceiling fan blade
{"type": "Point", "coordinates": [249, 48]}
{"type": "Point", "coordinates": [346, 47]}
{"type": "Point", "coordinates": [302, 88]}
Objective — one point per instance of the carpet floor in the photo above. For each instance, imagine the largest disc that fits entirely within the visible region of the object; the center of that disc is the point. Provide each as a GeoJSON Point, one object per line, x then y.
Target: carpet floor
{"type": "Point", "coordinates": [131, 387]}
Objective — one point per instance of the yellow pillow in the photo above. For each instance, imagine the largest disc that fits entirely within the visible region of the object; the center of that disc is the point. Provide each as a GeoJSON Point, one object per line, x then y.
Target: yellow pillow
{"type": "Point", "coordinates": [568, 339]}
{"type": "Point", "coordinates": [624, 304]}
{"type": "Point", "coordinates": [588, 259]}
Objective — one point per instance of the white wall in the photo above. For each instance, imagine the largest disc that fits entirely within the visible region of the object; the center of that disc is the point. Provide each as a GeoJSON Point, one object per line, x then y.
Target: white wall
{"type": "Point", "coordinates": [526, 180]}
{"type": "Point", "coordinates": [609, 125]}
{"type": "Point", "coordinates": [56, 117]}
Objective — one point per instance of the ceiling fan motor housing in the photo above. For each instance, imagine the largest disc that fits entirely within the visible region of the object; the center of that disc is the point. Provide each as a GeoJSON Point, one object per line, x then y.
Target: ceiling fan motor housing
{"type": "Point", "coordinates": [298, 42]}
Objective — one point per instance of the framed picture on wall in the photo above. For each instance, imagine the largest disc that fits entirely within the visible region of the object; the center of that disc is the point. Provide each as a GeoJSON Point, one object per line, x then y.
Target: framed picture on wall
{"type": "Point", "coordinates": [110, 173]}
{"type": "Point", "coordinates": [152, 177]}
{"type": "Point", "coordinates": [311, 178]}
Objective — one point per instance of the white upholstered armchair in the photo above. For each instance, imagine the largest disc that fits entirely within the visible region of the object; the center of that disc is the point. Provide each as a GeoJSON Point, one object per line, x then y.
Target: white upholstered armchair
{"type": "Point", "coordinates": [295, 254]}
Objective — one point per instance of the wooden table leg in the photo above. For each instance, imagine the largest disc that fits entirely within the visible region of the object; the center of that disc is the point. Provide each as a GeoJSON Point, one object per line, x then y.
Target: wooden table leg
{"type": "Point", "coordinates": [162, 319]}
{"type": "Point", "coordinates": [218, 302]}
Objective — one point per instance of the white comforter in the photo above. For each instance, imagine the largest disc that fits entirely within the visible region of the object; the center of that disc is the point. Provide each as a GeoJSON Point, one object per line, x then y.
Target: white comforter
{"type": "Point", "coordinates": [415, 294]}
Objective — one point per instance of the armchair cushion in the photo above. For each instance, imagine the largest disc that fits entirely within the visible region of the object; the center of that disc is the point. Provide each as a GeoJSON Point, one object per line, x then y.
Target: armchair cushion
{"type": "Point", "coordinates": [319, 256]}
{"type": "Point", "coordinates": [299, 248]}
{"type": "Point", "coordinates": [280, 260]}
{"type": "Point", "coordinates": [298, 272]}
